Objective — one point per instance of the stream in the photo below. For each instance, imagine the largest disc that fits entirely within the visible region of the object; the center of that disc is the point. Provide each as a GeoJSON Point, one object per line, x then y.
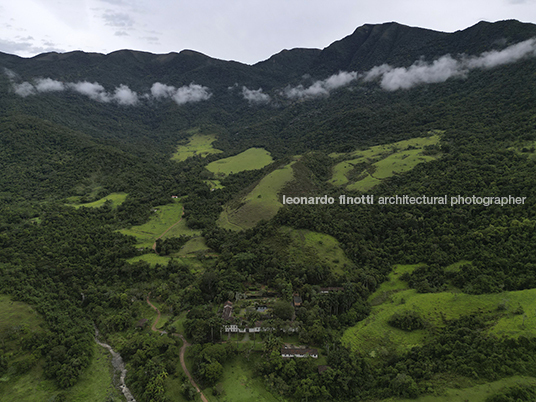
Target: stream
{"type": "Point", "coordinates": [119, 366]}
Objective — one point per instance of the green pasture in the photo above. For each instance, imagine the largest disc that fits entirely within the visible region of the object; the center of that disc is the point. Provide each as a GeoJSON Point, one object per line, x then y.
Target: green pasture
{"type": "Point", "coordinates": [240, 384]}
{"type": "Point", "coordinates": [154, 259]}
{"type": "Point", "coordinates": [374, 336]}
{"type": "Point", "coordinates": [317, 248]}
{"type": "Point", "coordinates": [198, 144]}
{"type": "Point", "coordinates": [261, 203]}
{"type": "Point", "coordinates": [193, 246]}
{"type": "Point", "coordinates": [163, 218]}
{"type": "Point", "coordinates": [250, 159]}
{"type": "Point", "coordinates": [115, 198]}
{"type": "Point", "coordinates": [363, 169]}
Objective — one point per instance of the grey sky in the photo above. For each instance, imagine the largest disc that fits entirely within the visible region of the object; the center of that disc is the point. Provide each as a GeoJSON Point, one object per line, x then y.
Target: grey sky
{"type": "Point", "coordinates": [244, 30]}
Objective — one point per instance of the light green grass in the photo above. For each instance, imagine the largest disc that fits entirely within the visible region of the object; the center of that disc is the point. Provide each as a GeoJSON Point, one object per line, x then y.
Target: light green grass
{"type": "Point", "coordinates": [214, 184]}
{"type": "Point", "coordinates": [240, 385]}
{"type": "Point", "coordinates": [477, 393]}
{"type": "Point", "coordinates": [317, 248]}
{"type": "Point", "coordinates": [115, 198]}
{"type": "Point", "coordinates": [13, 313]}
{"type": "Point", "coordinates": [154, 259]}
{"type": "Point", "coordinates": [399, 162]}
{"type": "Point", "coordinates": [374, 335]}
{"type": "Point", "coordinates": [364, 184]}
{"type": "Point", "coordinates": [250, 159]}
{"type": "Point", "coordinates": [384, 161]}
{"type": "Point", "coordinates": [261, 203]}
{"type": "Point", "coordinates": [194, 245]}
{"type": "Point", "coordinates": [198, 144]}
{"type": "Point", "coordinates": [163, 217]}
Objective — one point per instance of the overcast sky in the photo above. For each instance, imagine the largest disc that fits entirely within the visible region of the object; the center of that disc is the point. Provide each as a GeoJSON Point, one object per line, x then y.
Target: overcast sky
{"type": "Point", "coordinates": [243, 30]}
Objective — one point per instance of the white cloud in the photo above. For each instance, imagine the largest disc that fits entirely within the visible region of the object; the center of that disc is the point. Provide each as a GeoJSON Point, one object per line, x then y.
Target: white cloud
{"type": "Point", "coordinates": [25, 89]}
{"type": "Point", "coordinates": [125, 96]}
{"type": "Point", "coordinates": [48, 85]}
{"type": "Point", "coordinates": [93, 90]}
{"type": "Point", "coordinates": [321, 88]}
{"type": "Point", "coordinates": [255, 96]}
{"type": "Point", "coordinates": [182, 95]}
{"type": "Point", "coordinates": [440, 70]}
{"type": "Point", "coordinates": [511, 54]}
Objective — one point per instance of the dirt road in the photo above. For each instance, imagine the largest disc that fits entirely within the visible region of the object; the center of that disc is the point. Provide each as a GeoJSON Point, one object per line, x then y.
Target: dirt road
{"type": "Point", "coordinates": [185, 344]}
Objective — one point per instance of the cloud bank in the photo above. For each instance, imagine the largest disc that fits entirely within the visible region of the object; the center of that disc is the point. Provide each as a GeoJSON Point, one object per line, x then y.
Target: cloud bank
{"type": "Point", "coordinates": [320, 88]}
{"type": "Point", "coordinates": [255, 96]}
{"type": "Point", "coordinates": [440, 70]}
{"type": "Point", "coordinates": [121, 95]}
{"type": "Point", "coordinates": [182, 95]}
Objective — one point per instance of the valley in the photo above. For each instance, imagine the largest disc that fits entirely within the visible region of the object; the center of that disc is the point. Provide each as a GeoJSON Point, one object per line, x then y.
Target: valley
{"type": "Point", "coordinates": [154, 212]}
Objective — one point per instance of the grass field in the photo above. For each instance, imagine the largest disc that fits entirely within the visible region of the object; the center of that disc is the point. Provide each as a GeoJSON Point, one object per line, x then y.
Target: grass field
{"type": "Point", "coordinates": [261, 203]}
{"type": "Point", "coordinates": [239, 385]}
{"type": "Point", "coordinates": [198, 144]}
{"type": "Point", "coordinates": [250, 159]}
{"type": "Point", "coordinates": [373, 335]}
{"type": "Point", "coordinates": [163, 217]}
{"type": "Point", "coordinates": [362, 170]}
{"type": "Point", "coordinates": [153, 259]}
{"type": "Point", "coordinates": [194, 245]}
{"type": "Point", "coordinates": [115, 198]}
{"type": "Point", "coordinates": [316, 248]}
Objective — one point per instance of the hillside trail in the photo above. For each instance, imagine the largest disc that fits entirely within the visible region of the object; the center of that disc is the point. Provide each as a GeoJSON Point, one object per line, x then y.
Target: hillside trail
{"type": "Point", "coordinates": [185, 344]}
{"type": "Point", "coordinates": [168, 229]}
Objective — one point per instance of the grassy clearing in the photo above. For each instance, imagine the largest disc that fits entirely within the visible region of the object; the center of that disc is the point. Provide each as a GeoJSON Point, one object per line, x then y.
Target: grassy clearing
{"type": "Point", "coordinates": [115, 198]}
{"type": "Point", "coordinates": [317, 248]}
{"type": "Point", "coordinates": [374, 336]}
{"type": "Point", "coordinates": [198, 144]}
{"type": "Point", "coordinates": [163, 217]}
{"type": "Point", "coordinates": [477, 393]}
{"type": "Point", "coordinates": [362, 170]}
{"type": "Point", "coordinates": [239, 384]}
{"type": "Point", "coordinates": [214, 184]}
{"type": "Point", "coordinates": [14, 313]}
{"type": "Point", "coordinates": [193, 246]}
{"type": "Point", "coordinates": [261, 203]}
{"type": "Point", "coordinates": [153, 259]}
{"type": "Point", "coordinates": [250, 159]}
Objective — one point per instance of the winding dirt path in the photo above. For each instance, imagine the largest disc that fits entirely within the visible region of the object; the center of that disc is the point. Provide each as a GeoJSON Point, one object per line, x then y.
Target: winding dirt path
{"type": "Point", "coordinates": [167, 230]}
{"type": "Point", "coordinates": [185, 344]}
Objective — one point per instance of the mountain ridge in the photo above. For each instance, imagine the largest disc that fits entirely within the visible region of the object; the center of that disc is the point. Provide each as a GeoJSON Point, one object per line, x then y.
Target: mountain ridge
{"type": "Point", "coordinates": [368, 46]}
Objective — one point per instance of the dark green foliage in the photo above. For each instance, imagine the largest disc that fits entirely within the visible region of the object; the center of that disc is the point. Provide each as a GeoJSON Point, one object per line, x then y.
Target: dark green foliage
{"type": "Point", "coordinates": [517, 393]}
{"type": "Point", "coordinates": [408, 320]}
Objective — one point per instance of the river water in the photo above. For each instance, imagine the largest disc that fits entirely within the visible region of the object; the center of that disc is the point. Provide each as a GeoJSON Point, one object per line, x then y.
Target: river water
{"type": "Point", "coordinates": [119, 366]}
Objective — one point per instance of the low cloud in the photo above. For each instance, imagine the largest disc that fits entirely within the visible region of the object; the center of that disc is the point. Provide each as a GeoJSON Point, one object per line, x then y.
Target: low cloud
{"type": "Point", "coordinates": [255, 96]}
{"type": "Point", "coordinates": [125, 96]}
{"type": "Point", "coordinates": [321, 88]}
{"type": "Point", "coordinates": [440, 70]}
{"type": "Point", "coordinates": [185, 94]}
{"type": "Point", "coordinates": [48, 85]}
{"type": "Point", "coordinates": [122, 94]}
{"type": "Point", "coordinates": [92, 90]}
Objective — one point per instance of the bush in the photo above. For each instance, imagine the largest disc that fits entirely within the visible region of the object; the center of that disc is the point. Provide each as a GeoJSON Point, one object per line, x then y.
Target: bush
{"type": "Point", "coordinates": [407, 321]}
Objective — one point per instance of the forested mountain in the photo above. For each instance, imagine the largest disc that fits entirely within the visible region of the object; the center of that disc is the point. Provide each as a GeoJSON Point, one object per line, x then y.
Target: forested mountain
{"type": "Point", "coordinates": [93, 147]}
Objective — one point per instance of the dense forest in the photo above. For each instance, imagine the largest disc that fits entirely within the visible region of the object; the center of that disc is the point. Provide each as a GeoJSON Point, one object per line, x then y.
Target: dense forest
{"type": "Point", "coordinates": [76, 266]}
